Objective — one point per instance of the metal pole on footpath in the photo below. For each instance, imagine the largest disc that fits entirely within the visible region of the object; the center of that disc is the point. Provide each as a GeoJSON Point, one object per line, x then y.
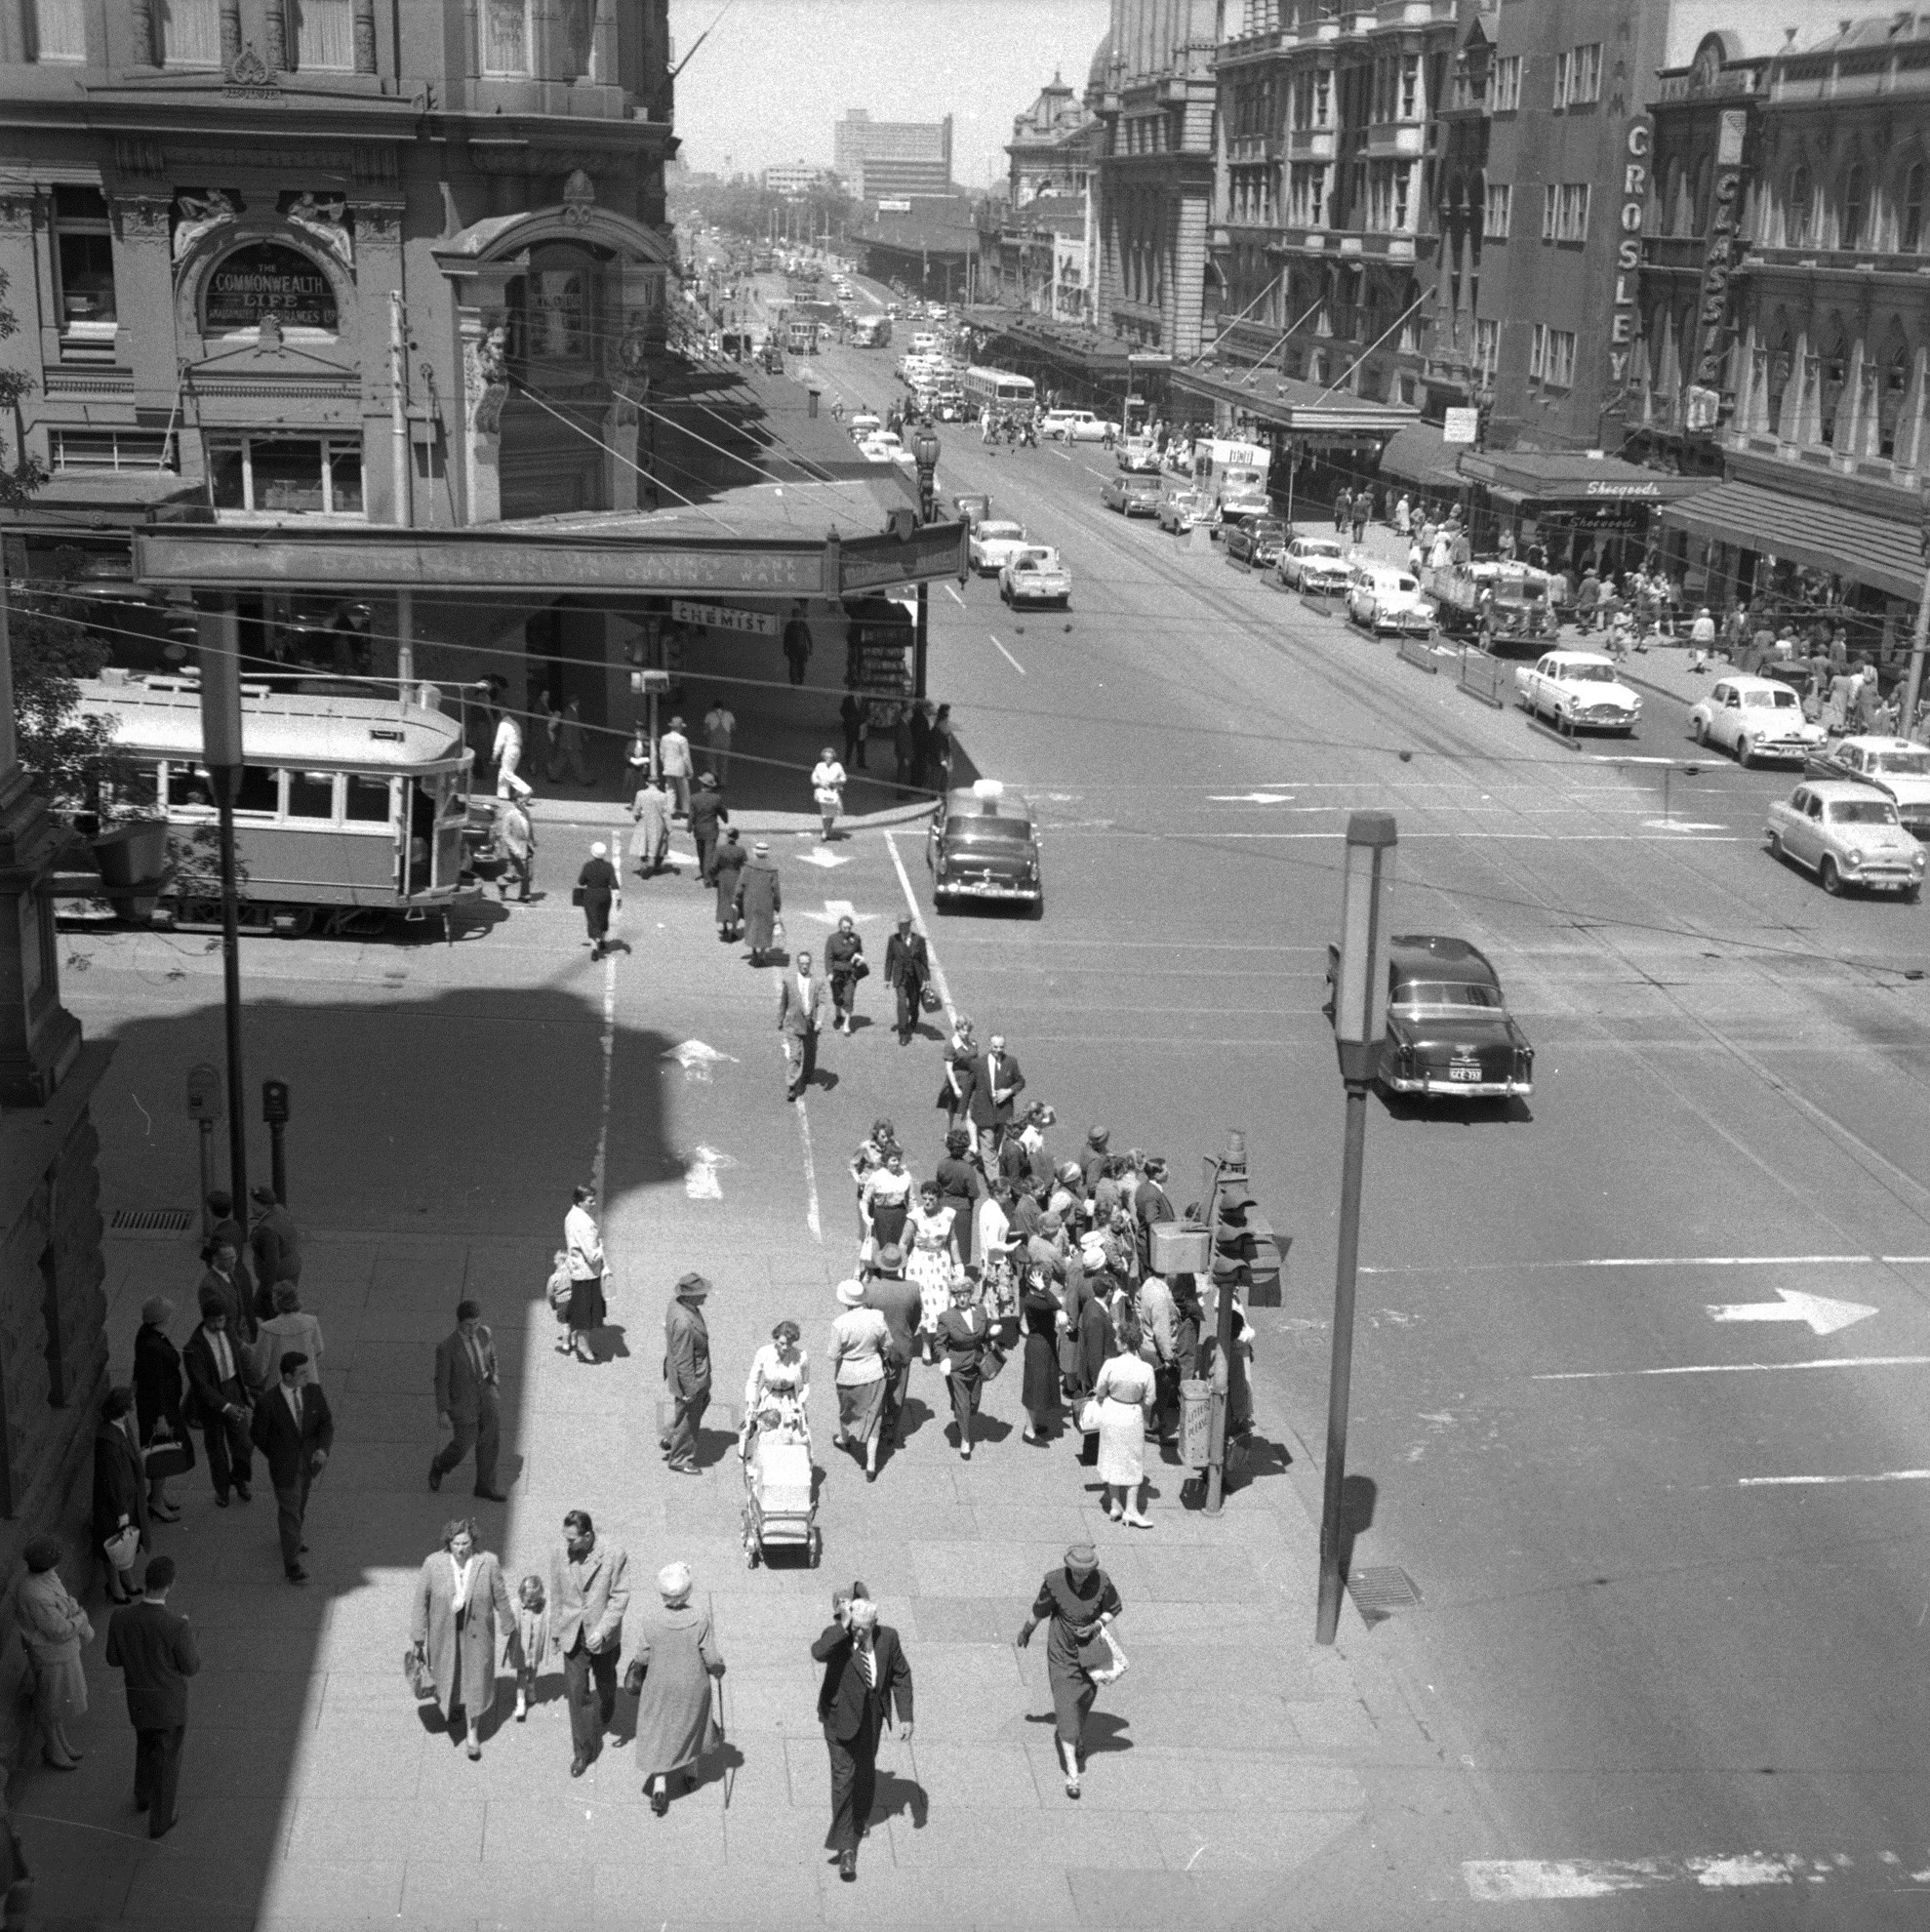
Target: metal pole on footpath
{"type": "Point", "coordinates": [1359, 966]}
{"type": "Point", "coordinates": [220, 750]}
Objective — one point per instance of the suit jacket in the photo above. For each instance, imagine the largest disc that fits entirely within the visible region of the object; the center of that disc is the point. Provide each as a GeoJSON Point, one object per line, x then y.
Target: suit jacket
{"type": "Point", "coordinates": [686, 1348]}
{"type": "Point", "coordinates": [207, 1393]}
{"type": "Point", "coordinates": [236, 1294]}
{"type": "Point", "coordinates": [290, 1450]}
{"type": "Point", "coordinates": [901, 1304]}
{"type": "Point", "coordinates": [908, 960]}
{"type": "Point", "coordinates": [153, 1647]}
{"type": "Point", "coordinates": [794, 1016]}
{"type": "Point", "coordinates": [986, 1107]}
{"type": "Point", "coordinates": [277, 1247]}
{"type": "Point", "coordinates": [590, 1606]}
{"type": "Point", "coordinates": [120, 1483]}
{"type": "Point", "coordinates": [845, 1700]}
{"type": "Point", "coordinates": [459, 1395]}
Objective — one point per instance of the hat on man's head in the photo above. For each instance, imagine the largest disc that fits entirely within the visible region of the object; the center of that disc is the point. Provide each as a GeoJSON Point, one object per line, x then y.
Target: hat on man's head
{"type": "Point", "coordinates": [597, 849]}
{"type": "Point", "coordinates": [1081, 1558]}
{"type": "Point", "coordinates": [891, 1256]}
{"type": "Point", "coordinates": [851, 1294]}
{"type": "Point", "coordinates": [691, 1287]}
{"type": "Point", "coordinates": [676, 724]}
{"type": "Point", "coordinates": [1097, 1137]}
{"type": "Point", "coordinates": [763, 845]}
{"type": "Point", "coordinates": [264, 1194]}
{"type": "Point", "coordinates": [708, 777]}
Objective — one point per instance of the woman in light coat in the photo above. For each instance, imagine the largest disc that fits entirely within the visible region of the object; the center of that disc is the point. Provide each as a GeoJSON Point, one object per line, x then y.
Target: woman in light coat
{"type": "Point", "coordinates": [677, 1657]}
{"type": "Point", "coordinates": [583, 1247]}
{"type": "Point", "coordinates": [1124, 1389]}
{"type": "Point", "coordinates": [827, 790]}
{"type": "Point", "coordinates": [859, 1339]}
{"type": "Point", "coordinates": [458, 1616]}
{"type": "Point", "coordinates": [54, 1628]}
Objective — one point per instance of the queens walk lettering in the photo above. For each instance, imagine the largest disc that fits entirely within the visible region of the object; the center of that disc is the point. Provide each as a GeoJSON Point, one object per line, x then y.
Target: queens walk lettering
{"type": "Point", "coordinates": [1629, 218]}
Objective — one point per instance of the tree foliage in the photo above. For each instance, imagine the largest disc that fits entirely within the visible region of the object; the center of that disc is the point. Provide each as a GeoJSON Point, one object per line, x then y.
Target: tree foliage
{"type": "Point", "coordinates": [20, 475]}
{"type": "Point", "coordinates": [69, 758]}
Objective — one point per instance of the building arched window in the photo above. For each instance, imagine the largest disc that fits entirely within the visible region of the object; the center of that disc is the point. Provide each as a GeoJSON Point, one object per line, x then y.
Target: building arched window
{"type": "Point", "coordinates": [1832, 365]}
{"type": "Point", "coordinates": [1671, 222]}
{"type": "Point", "coordinates": [1795, 210]}
{"type": "Point", "coordinates": [1890, 398]}
{"type": "Point", "coordinates": [1781, 358]}
{"type": "Point", "coordinates": [1856, 206]}
{"type": "Point", "coordinates": [1909, 212]}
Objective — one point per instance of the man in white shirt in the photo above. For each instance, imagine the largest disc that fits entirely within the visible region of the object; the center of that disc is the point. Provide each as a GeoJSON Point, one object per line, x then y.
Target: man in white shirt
{"type": "Point", "coordinates": [508, 754]}
{"type": "Point", "coordinates": [674, 754]}
{"type": "Point", "coordinates": [800, 1014]}
{"type": "Point", "coordinates": [719, 723]}
{"type": "Point", "coordinates": [218, 1399]}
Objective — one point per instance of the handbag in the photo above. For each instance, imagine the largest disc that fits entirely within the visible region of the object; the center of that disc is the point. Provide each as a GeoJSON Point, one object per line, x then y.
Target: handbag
{"type": "Point", "coordinates": [416, 1669]}
{"type": "Point", "coordinates": [123, 1547]}
{"type": "Point", "coordinates": [930, 1000]}
{"type": "Point", "coordinates": [167, 1456]}
{"type": "Point", "coordinates": [861, 968]}
{"type": "Point", "coordinates": [576, 895]}
{"type": "Point", "coordinates": [1089, 1415]}
{"type": "Point", "coordinates": [1108, 1672]}
{"type": "Point", "coordinates": [992, 1362]}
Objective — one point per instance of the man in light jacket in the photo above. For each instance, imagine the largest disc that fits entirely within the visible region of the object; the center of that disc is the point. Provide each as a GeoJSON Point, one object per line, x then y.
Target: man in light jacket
{"type": "Point", "coordinates": [466, 1380]}
{"type": "Point", "coordinates": [686, 1371]}
{"type": "Point", "coordinates": [800, 1016]}
{"type": "Point", "coordinates": [673, 755]}
{"type": "Point", "coordinates": [589, 1589]}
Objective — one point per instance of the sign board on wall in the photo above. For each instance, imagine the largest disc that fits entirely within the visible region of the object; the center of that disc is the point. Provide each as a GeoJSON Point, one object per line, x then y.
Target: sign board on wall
{"type": "Point", "coordinates": [1720, 258]}
{"type": "Point", "coordinates": [1460, 425]}
{"type": "Point", "coordinates": [1632, 212]}
{"type": "Point", "coordinates": [265, 278]}
{"type": "Point", "coordinates": [720, 616]}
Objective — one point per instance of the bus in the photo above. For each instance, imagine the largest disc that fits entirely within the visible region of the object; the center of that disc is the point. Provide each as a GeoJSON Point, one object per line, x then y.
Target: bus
{"type": "Point", "coordinates": [998, 392]}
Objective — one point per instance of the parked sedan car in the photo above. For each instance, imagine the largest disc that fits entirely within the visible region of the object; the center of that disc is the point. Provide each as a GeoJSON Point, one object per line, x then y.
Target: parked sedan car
{"type": "Point", "coordinates": [971, 508]}
{"type": "Point", "coordinates": [1131, 494]}
{"type": "Point", "coordinates": [1138, 458]}
{"type": "Point", "coordinates": [1036, 576]}
{"type": "Point", "coordinates": [1315, 564]}
{"type": "Point", "coordinates": [1578, 690]}
{"type": "Point", "coordinates": [1256, 544]}
{"type": "Point", "coordinates": [1383, 597]}
{"type": "Point", "coordinates": [1756, 718]}
{"type": "Point", "coordinates": [994, 542]}
{"type": "Point", "coordinates": [1074, 426]}
{"type": "Point", "coordinates": [1848, 834]}
{"type": "Point", "coordinates": [1449, 1033]}
{"type": "Point", "coordinates": [1181, 510]}
{"type": "Point", "coordinates": [985, 845]}
{"type": "Point", "coordinates": [1895, 766]}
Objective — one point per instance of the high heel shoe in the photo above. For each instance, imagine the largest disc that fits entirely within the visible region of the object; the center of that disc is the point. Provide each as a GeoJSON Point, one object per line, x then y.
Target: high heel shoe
{"type": "Point", "coordinates": [54, 1763]}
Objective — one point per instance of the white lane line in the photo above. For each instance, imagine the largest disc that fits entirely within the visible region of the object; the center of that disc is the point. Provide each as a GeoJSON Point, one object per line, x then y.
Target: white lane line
{"type": "Point", "coordinates": [1741, 1368]}
{"type": "Point", "coordinates": [918, 920]}
{"type": "Point", "coordinates": [955, 597]}
{"type": "Point", "coordinates": [609, 1051]}
{"type": "Point", "coordinates": [1519, 1881]}
{"type": "Point", "coordinates": [1638, 1261]}
{"type": "Point", "coordinates": [1010, 659]}
{"type": "Point", "coordinates": [1815, 1482]}
{"type": "Point", "coordinates": [1542, 838]}
{"type": "Point", "coordinates": [811, 1217]}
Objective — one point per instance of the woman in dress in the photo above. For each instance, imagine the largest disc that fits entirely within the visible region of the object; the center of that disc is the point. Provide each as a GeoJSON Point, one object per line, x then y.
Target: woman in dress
{"type": "Point", "coordinates": [869, 1157]}
{"type": "Point", "coordinates": [780, 1374]}
{"type": "Point", "coordinates": [827, 788]}
{"type": "Point", "coordinates": [1124, 1391]}
{"type": "Point", "coordinates": [584, 1247]}
{"type": "Point", "coordinates": [844, 954]}
{"type": "Point", "coordinates": [603, 894]}
{"type": "Point", "coordinates": [859, 1337]}
{"type": "Point", "coordinates": [157, 1393]}
{"type": "Point", "coordinates": [458, 1618]}
{"type": "Point", "coordinates": [955, 1089]}
{"type": "Point", "coordinates": [54, 1628]}
{"type": "Point", "coordinates": [887, 1203]}
{"type": "Point", "coordinates": [961, 1187]}
{"type": "Point", "coordinates": [964, 1334]}
{"type": "Point", "coordinates": [1078, 1602]}
{"type": "Point", "coordinates": [1040, 1312]}
{"type": "Point", "coordinates": [677, 1657]}
{"type": "Point", "coordinates": [931, 1262]}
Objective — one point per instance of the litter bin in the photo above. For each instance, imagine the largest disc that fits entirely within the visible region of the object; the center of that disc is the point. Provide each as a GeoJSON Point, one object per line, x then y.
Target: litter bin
{"type": "Point", "coordinates": [1196, 1421]}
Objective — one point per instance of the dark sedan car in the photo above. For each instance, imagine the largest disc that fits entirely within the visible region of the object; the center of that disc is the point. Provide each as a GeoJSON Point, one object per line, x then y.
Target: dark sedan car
{"type": "Point", "coordinates": [1256, 542]}
{"type": "Point", "coordinates": [1449, 1033]}
{"type": "Point", "coordinates": [985, 845]}
{"type": "Point", "coordinates": [1131, 494]}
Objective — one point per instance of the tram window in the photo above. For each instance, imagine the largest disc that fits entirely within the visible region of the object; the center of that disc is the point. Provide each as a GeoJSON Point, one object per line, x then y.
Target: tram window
{"type": "Point", "coordinates": [311, 794]}
{"type": "Point", "coordinates": [190, 787]}
{"type": "Point", "coordinates": [141, 786]}
{"type": "Point", "coordinates": [260, 790]}
{"type": "Point", "coordinates": [367, 802]}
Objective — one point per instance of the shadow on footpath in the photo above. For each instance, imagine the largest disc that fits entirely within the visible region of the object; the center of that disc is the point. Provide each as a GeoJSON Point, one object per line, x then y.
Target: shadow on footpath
{"type": "Point", "coordinates": [429, 1134]}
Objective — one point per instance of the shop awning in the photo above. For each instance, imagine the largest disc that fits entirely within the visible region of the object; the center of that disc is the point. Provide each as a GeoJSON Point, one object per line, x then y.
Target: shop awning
{"type": "Point", "coordinates": [1560, 479]}
{"type": "Point", "coordinates": [1876, 550]}
{"type": "Point", "coordinates": [1417, 454]}
{"type": "Point", "coordinates": [1285, 403]}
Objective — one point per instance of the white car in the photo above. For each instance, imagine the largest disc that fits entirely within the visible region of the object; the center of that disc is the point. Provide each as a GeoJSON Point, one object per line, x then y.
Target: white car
{"type": "Point", "coordinates": [1578, 690]}
{"type": "Point", "coordinates": [1383, 597]}
{"type": "Point", "coordinates": [1315, 564]}
{"type": "Point", "coordinates": [994, 543]}
{"type": "Point", "coordinates": [1756, 717]}
{"type": "Point", "coordinates": [1848, 835]}
{"type": "Point", "coordinates": [1036, 576]}
{"type": "Point", "coordinates": [1074, 426]}
{"type": "Point", "coordinates": [883, 447]}
{"type": "Point", "coordinates": [1896, 766]}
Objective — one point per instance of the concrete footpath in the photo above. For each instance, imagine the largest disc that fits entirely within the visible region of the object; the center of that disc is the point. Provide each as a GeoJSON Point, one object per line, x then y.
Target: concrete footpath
{"type": "Point", "coordinates": [1240, 1775]}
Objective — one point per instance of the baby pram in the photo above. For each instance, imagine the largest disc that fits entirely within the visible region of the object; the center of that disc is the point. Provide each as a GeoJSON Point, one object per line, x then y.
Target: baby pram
{"type": "Point", "coordinates": [778, 1507]}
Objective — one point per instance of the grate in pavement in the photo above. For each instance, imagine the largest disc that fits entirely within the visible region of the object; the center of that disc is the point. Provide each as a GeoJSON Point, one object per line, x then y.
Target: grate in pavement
{"type": "Point", "coordinates": [151, 1221]}
{"type": "Point", "coordinates": [1379, 1591]}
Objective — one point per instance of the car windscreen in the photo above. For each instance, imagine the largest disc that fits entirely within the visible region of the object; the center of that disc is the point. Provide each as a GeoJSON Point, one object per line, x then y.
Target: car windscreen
{"type": "Point", "coordinates": [1863, 812]}
{"type": "Point", "coordinates": [987, 832]}
{"type": "Point", "coordinates": [1902, 764]}
{"type": "Point", "coordinates": [999, 531]}
{"type": "Point", "coordinates": [1585, 673]}
{"type": "Point", "coordinates": [1783, 699]}
{"type": "Point", "coordinates": [1318, 547]}
{"type": "Point", "coordinates": [1447, 992]}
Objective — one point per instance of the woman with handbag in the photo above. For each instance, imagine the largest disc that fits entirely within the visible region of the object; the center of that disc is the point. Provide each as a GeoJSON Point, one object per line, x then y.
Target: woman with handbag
{"type": "Point", "coordinates": [1123, 1393]}
{"type": "Point", "coordinates": [600, 894]}
{"type": "Point", "coordinates": [828, 791]}
{"type": "Point", "coordinates": [846, 964]}
{"type": "Point", "coordinates": [886, 1203]}
{"type": "Point", "coordinates": [932, 1261]}
{"type": "Point", "coordinates": [120, 1494]}
{"type": "Point", "coordinates": [453, 1630]}
{"type": "Point", "coordinates": [583, 1256]}
{"type": "Point", "coordinates": [955, 1089]}
{"type": "Point", "coordinates": [1078, 1602]}
{"type": "Point", "coordinates": [54, 1628]}
{"type": "Point", "coordinates": [676, 1661]}
{"type": "Point", "coordinates": [165, 1447]}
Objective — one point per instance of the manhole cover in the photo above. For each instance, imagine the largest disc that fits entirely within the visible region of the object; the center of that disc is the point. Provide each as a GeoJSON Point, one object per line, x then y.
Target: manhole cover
{"type": "Point", "coordinates": [1379, 1592]}
{"type": "Point", "coordinates": [151, 1221]}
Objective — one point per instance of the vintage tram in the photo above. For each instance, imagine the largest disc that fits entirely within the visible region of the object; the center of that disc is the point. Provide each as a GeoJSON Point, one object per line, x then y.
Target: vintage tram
{"type": "Point", "coordinates": [354, 805]}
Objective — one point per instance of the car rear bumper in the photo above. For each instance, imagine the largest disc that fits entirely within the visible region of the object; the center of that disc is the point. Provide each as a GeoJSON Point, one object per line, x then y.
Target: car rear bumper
{"type": "Point", "coordinates": [1433, 1084]}
{"type": "Point", "coordinates": [986, 889]}
{"type": "Point", "coordinates": [1058, 596]}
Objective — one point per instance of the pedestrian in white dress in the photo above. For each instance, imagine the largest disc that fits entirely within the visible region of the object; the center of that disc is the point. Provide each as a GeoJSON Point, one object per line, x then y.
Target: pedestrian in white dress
{"type": "Point", "coordinates": [779, 1376]}
{"type": "Point", "coordinates": [1123, 1392]}
{"type": "Point", "coordinates": [933, 1261]}
{"type": "Point", "coordinates": [828, 788]}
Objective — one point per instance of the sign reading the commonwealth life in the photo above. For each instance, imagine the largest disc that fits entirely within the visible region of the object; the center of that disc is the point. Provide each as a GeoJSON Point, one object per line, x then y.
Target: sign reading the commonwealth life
{"type": "Point", "coordinates": [267, 279]}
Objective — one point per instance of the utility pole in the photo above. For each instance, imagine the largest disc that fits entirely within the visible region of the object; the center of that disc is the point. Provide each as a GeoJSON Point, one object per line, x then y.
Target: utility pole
{"type": "Point", "coordinates": [398, 419]}
{"type": "Point", "coordinates": [220, 750]}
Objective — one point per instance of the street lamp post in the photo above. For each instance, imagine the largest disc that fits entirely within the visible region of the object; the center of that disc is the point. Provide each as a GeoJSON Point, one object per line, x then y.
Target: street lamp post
{"type": "Point", "coordinates": [925, 455]}
{"type": "Point", "coordinates": [221, 752]}
{"type": "Point", "coordinates": [1359, 967]}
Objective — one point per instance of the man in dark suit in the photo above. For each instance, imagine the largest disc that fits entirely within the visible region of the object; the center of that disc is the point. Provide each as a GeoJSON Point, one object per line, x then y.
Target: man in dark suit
{"type": "Point", "coordinates": [295, 1432]}
{"type": "Point", "coordinates": [902, 1305]}
{"type": "Point", "coordinates": [218, 1399]}
{"type": "Point", "coordinates": [865, 1677]}
{"type": "Point", "coordinates": [466, 1401]}
{"type": "Point", "coordinates": [996, 1084]}
{"type": "Point", "coordinates": [154, 1648]}
{"type": "Point", "coordinates": [686, 1371]}
{"type": "Point", "coordinates": [800, 1014]}
{"type": "Point", "coordinates": [907, 967]}
{"type": "Point", "coordinates": [1151, 1202]}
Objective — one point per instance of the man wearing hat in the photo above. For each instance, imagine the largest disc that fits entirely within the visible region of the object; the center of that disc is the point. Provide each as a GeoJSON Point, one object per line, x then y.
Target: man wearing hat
{"type": "Point", "coordinates": [673, 760]}
{"type": "Point", "coordinates": [686, 1371]}
{"type": "Point", "coordinates": [801, 1016]}
{"type": "Point", "coordinates": [901, 1304]}
{"type": "Point", "coordinates": [706, 812]}
{"type": "Point", "coordinates": [867, 1679]}
{"type": "Point", "coordinates": [467, 1382]}
{"type": "Point", "coordinates": [218, 1399]}
{"type": "Point", "coordinates": [908, 969]}
{"type": "Point", "coordinates": [759, 899]}
{"type": "Point", "coordinates": [1151, 1202]}
{"type": "Point", "coordinates": [1092, 1163]}
{"type": "Point", "coordinates": [294, 1432]}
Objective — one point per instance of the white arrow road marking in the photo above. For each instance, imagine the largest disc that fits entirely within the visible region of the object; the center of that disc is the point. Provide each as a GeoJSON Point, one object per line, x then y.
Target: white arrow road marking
{"type": "Point", "coordinates": [1515, 1880]}
{"type": "Point", "coordinates": [1824, 1315]}
{"type": "Point", "coordinates": [1741, 1368]}
{"type": "Point", "coordinates": [839, 908]}
{"type": "Point", "coordinates": [955, 597]}
{"type": "Point", "coordinates": [1007, 656]}
{"type": "Point", "coordinates": [1806, 1482]}
{"type": "Point", "coordinates": [821, 859]}
{"type": "Point", "coordinates": [1248, 798]}
{"type": "Point", "coordinates": [1682, 825]}
{"type": "Point", "coordinates": [698, 1059]}
{"type": "Point", "coordinates": [700, 1174]}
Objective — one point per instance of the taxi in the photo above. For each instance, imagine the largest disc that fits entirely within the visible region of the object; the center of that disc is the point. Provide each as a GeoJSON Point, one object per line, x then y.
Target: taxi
{"type": "Point", "coordinates": [984, 845]}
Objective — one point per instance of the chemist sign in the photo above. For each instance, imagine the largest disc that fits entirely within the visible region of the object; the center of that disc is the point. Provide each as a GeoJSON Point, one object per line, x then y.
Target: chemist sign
{"type": "Point", "coordinates": [1631, 210]}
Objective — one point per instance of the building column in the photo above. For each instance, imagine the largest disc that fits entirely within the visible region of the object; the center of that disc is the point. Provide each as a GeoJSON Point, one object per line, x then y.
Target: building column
{"type": "Point", "coordinates": [274, 35]}
{"type": "Point", "coordinates": [365, 36]}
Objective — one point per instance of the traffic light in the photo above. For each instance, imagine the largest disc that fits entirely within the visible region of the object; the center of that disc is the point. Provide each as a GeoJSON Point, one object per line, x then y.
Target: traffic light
{"type": "Point", "coordinates": [1246, 1252]}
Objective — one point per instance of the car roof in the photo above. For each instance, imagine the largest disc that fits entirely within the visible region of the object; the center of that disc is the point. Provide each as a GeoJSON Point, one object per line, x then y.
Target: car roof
{"type": "Point", "coordinates": [1832, 788]}
{"type": "Point", "coordinates": [993, 526]}
{"type": "Point", "coordinates": [1440, 957]}
{"type": "Point", "coordinates": [965, 803]}
{"type": "Point", "coordinates": [1590, 657]}
{"type": "Point", "coordinates": [1874, 743]}
{"type": "Point", "coordinates": [1749, 681]}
